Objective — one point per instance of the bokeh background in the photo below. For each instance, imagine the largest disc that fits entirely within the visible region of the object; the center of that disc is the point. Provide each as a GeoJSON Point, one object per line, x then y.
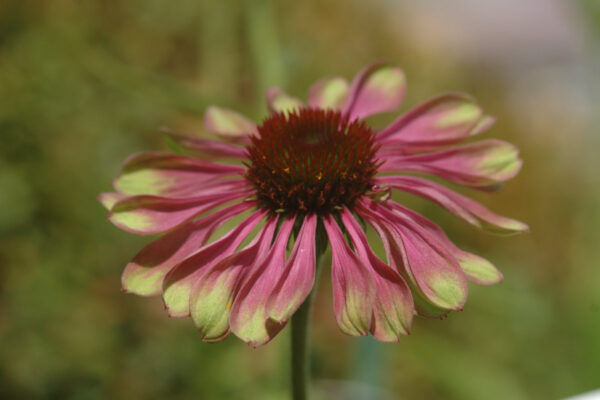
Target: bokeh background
{"type": "Point", "coordinates": [85, 83]}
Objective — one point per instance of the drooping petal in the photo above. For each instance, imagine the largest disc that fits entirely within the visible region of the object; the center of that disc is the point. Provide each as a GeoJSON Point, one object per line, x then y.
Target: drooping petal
{"type": "Point", "coordinates": [430, 267]}
{"type": "Point", "coordinates": [461, 206]}
{"type": "Point", "coordinates": [376, 89]}
{"type": "Point", "coordinates": [215, 289]}
{"type": "Point", "coordinates": [328, 93]}
{"type": "Point", "coordinates": [393, 307]}
{"type": "Point", "coordinates": [177, 284]}
{"type": "Point", "coordinates": [249, 320]}
{"type": "Point", "coordinates": [170, 175]}
{"type": "Point", "coordinates": [481, 164]}
{"type": "Point", "coordinates": [145, 273]}
{"type": "Point", "coordinates": [476, 268]}
{"type": "Point", "coordinates": [207, 148]}
{"type": "Point", "coordinates": [108, 200]}
{"type": "Point", "coordinates": [441, 121]}
{"type": "Point", "coordinates": [353, 289]}
{"type": "Point", "coordinates": [281, 102]}
{"type": "Point", "coordinates": [228, 123]}
{"type": "Point", "coordinates": [148, 215]}
{"type": "Point", "coordinates": [396, 258]}
{"type": "Point", "coordinates": [484, 123]}
{"type": "Point", "coordinates": [298, 276]}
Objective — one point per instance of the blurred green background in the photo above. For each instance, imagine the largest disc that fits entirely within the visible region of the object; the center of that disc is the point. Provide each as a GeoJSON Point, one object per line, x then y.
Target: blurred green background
{"type": "Point", "coordinates": [85, 83]}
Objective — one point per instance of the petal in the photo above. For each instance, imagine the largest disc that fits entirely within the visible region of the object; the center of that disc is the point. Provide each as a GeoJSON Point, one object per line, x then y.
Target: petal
{"type": "Point", "coordinates": [249, 320]}
{"type": "Point", "coordinates": [147, 215]}
{"type": "Point", "coordinates": [108, 200]}
{"type": "Point", "coordinates": [281, 102]}
{"type": "Point", "coordinates": [145, 273]}
{"type": "Point", "coordinates": [393, 307]}
{"type": "Point", "coordinates": [431, 268]}
{"type": "Point", "coordinates": [214, 291]}
{"type": "Point", "coordinates": [206, 148]}
{"type": "Point", "coordinates": [476, 268]}
{"type": "Point", "coordinates": [328, 93]}
{"type": "Point", "coordinates": [228, 123]}
{"type": "Point", "coordinates": [171, 175]}
{"type": "Point", "coordinates": [178, 282]}
{"type": "Point", "coordinates": [353, 289]}
{"type": "Point", "coordinates": [441, 121]}
{"type": "Point", "coordinates": [461, 206]}
{"type": "Point", "coordinates": [397, 260]}
{"type": "Point", "coordinates": [483, 124]}
{"type": "Point", "coordinates": [376, 89]}
{"type": "Point", "coordinates": [481, 164]}
{"type": "Point", "coordinates": [298, 276]}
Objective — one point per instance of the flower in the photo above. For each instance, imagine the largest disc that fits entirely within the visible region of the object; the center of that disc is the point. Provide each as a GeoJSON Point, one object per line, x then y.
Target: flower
{"type": "Point", "coordinates": [306, 174]}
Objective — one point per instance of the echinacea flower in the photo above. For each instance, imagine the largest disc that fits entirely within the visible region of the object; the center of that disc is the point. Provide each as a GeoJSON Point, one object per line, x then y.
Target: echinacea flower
{"type": "Point", "coordinates": [310, 171]}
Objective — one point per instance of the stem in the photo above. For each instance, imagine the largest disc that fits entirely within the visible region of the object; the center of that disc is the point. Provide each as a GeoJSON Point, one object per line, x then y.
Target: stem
{"type": "Point", "coordinates": [300, 346]}
{"type": "Point", "coordinates": [300, 329]}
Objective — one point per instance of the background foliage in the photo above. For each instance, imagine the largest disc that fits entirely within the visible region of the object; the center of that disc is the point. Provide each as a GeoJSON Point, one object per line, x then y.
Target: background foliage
{"type": "Point", "coordinates": [85, 83]}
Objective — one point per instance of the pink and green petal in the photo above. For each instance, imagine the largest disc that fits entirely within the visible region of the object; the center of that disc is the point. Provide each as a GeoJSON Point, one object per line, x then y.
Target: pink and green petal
{"type": "Point", "coordinates": [281, 102]}
{"type": "Point", "coordinates": [461, 206]}
{"type": "Point", "coordinates": [148, 215]}
{"type": "Point", "coordinates": [206, 148]}
{"type": "Point", "coordinates": [145, 273]}
{"type": "Point", "coordinates": [108, 200]}
{"type": "Point", "coordinates": [393, 307]}
{"type": "Point", "coordinates": [483, 125]}
{"type": "Point", "coordinates": [376, 89]}
{"type": "Point", "coordinates": [328, 93]}
{"type": "Point", "coordinates": [164, 174]}
{"type": "Point", "coordinates": [441, 121]}
{"type": "Point", "coordinates": [178, 283]}
{"type": "Point", "coordinates": [430, 266]}
{"type": "Point", "coordinates": [481, 164]}
{"type": "Point", "coordinates": [477, 269]}
{"type": "Point", "coordinates": [353, 289]}
{"type": "Point", "coordinates": [249, 320]}
{"type": "Point", "coordinates": [298, 276]}
{"type": "Point", "coordinates": [228, 123]}
{"type": "Point", "coordinates": [397, 260]}
{"type": "Point", "coordinates": [215, 290]}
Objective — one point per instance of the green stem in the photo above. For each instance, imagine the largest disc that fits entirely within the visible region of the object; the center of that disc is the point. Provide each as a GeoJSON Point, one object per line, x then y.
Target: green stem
{"type": "Point", "coordinates": [300, 330]}
{"type": "Point", "coordinates": [300, 350]}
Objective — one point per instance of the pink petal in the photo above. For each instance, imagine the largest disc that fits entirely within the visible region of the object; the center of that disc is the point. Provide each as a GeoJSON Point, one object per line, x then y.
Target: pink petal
{"type": "Point", "coordinates": [376, 89]}
{"type": "Point", "coordinates": [392, 243]}
{"type": "Point", "coordinates": [170, 175]}
{"type": "Point", "coordinates": [147, 215]}
{"type": "Point", "coordinates": [353, 288]}
{"type": "Point", "coordinates": [441, 121]}
{"type": "Point", "coordinates": [393, 307]}
{"type": "Point", "coordinates": [228, 123]}
{"type": "Point", "coordinates": [281, 102]}
{"type": "Point", "coordinates": [216, 288]}
{"type": "Point", "coordinates": [249, 320]}
{"type": "Point", "coordinates": [476, 268]}
{"type": "Point", "coordinates": [207, 148]}
{"type": "Point", "coordinates": [328, 93]}
{"type": "Point", "coordinates": [145, 273]}
{"type": "Point", "coordinates": [298, 276]}
{"type": "Point", "coordinates": [108, 200]}
{"type": "Point", "coordinates": [177, 284]}
{"type": "Point", "coordinates": [430, 266]}
{"type": "Point", "coordinates": [461, 206]}
{"type": "Point", "coordinates": [481, 164]}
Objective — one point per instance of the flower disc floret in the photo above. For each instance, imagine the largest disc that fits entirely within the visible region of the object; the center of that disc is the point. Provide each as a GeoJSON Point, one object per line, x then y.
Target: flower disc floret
{"type": "Point", "coordinates": [311, 160]}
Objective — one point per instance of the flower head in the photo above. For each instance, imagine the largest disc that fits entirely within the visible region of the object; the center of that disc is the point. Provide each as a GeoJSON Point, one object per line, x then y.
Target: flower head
{"type": "Point", "coordinates": [307, 169]}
